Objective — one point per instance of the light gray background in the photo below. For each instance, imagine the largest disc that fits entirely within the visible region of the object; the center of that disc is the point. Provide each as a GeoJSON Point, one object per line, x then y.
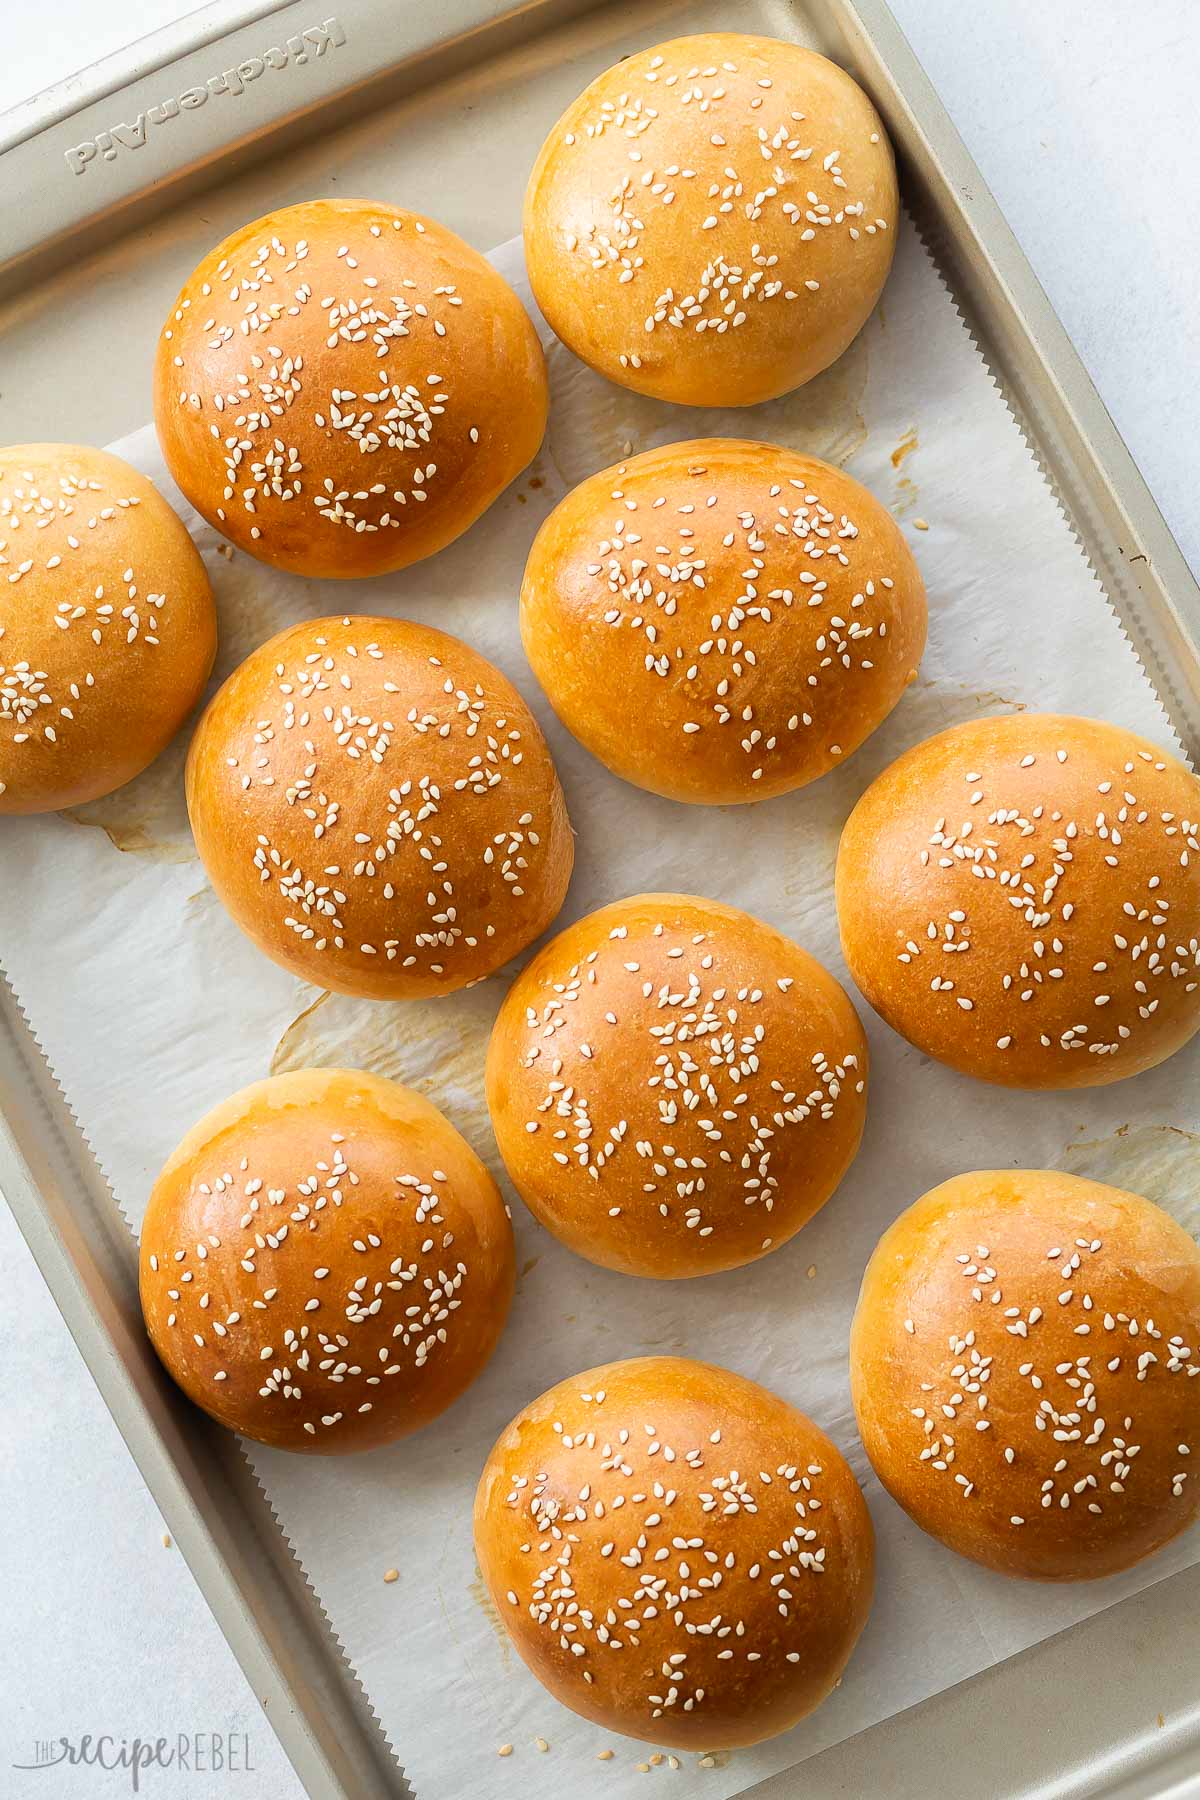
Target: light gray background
{"type": "Point", "coordinates": [1082, 117]}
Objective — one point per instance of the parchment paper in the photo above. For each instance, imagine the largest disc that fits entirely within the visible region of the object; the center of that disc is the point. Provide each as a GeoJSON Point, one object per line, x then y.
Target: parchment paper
{"type": "Point", "coordinates": [152, 1006]}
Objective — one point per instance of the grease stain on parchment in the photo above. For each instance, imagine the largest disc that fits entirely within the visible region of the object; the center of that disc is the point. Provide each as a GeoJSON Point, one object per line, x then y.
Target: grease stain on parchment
{"type": "Point", "coordinates": [148, 816]}
{"type": "Point", "coordinates": [594, 423]}
{"type": "Point", "coordinates": [908, 443]}
{"type": "Point", "coordinates": [437, 1046]}
{"type": "Point", "coordinates": [1161, 1162]}
{"type": "Point", "coordinates": [977, 696]}
{"type": "Point", "coordinates": [478, 1590]}
{"type": "Point", "coordinates": [907, 495]}
{"type": "Point", "coordinates": [288, 1053]}
{"type": "Point", "coordinates": [989, 697]}
{"type": "Point", "coordinates": [947, 702]}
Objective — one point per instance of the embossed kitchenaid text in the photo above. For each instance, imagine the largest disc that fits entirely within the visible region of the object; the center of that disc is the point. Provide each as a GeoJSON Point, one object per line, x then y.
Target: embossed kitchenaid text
{"type": "Point", "coordinates": [314, 41]}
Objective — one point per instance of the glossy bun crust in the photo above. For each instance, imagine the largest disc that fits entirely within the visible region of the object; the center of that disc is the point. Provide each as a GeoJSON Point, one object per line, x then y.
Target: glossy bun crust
{"type": "Point", "coordinates": [376, 807]}
{"type": "Point", "coordinates": [107, 625]}
{"type": "Point", "coordinates": [1024, 1363]}
{"type": "Point", "coordinates": [342, 387]}
{"type": "Point", "coordinates": [758, 611]}
{"type": "Point", "coordinates": [676, 1553]}
{"type": "Point", "coordinates": [712, 221]}
{"type": "Point", "coordinates": [1020, 898]}
{"type": "Point", "coordinates": [675, 1087]}
{"type": "Point", "coordinates": [325, 1263]}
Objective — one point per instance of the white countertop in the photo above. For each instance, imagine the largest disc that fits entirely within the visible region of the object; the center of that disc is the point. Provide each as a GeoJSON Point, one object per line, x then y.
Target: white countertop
{"type": "Point", "coordinates": [1081, 118]}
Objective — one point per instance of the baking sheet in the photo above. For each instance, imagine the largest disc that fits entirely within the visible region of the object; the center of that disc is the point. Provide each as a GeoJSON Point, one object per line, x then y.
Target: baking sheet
{"type": "Point", "coordinates": [151, 1007]}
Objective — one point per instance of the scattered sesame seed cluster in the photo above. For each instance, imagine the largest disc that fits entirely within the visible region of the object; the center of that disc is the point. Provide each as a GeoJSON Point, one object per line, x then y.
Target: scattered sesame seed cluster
{"type": "Point", "coordinates": [760, 608]}
{"type": "Point", "coordinates": [343, 387]}
{"type": "Point", "coordinates": [712, 221]}
{"type": "Point", "coordinates": [1020, 897]}
{"type": "Point", "coordinates": [107, 625]}
{"type": "Point", "coordinates": [675, 1087]}
{"type": "Point", "coordinates": [1023, 1362]}
{"type": "Point", "coordinates": [325, 1263]}
{"type": "Point", "coordinates": [377, 808]}
{"type": "Point", "coordinates": [663, 1538]}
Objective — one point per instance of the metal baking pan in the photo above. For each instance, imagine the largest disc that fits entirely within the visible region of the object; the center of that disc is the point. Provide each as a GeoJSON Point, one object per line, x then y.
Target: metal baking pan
{"type": "Point", "coordinates": [127, 174]}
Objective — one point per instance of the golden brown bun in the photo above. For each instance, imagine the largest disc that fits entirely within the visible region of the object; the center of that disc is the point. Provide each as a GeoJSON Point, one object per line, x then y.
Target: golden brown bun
{"type": "Point", "coordinates": [756, 612]}
{"type": "Point", "coordinates": [325, 1263]}
{"type": "Point", "coordinates": [713, 220]}
{"type": "Point", "coordinates": [676, 1553]}
{"type": "Point", "coordinates": [107, 625]}
{"type": "Point", "coordinates": [377, 808]}
{"type": "Point", "coordinates": [675, 1087]}
{"type": "Point", "coordinates": [343, 387]}
{"type": "Point", "coordinates": [1020, 897]}
{"type": "Point", "coordinates": [1023, 1363]}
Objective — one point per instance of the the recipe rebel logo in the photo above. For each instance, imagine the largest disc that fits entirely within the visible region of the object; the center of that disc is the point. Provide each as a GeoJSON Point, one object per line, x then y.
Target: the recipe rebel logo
{"type": "Point", "coordinates": [214, 1753]}
{"type": "Point", "coordinates": [307, 45]}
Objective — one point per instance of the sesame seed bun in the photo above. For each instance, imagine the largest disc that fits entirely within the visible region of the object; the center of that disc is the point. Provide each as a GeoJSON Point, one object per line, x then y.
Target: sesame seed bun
{"type": "Point", "coordinates": [1020, 898]}
{"type": "Point", "coordinates": [713, 220]}
{"type": "Point", "coordinates": [377, 808]}
{"type": "Point", "coordinates": [325, 1263]}
{"type": "Point", "coordinates": [676, 1553]}
{"type": "Point", "coordinates": [342, 387]}
{"type": "Point", "coordinates": [107, 625]}
{"type": "Point", "coordinates": [760, 610]}
{"type": "Point", "coordinates": [675, 1087]}
{"type": "Point", "coordinates": [1023, 1362]}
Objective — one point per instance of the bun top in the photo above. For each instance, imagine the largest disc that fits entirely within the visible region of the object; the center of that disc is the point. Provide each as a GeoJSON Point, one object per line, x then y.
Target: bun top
{"type": "Point", "coordinates": [675, 1087]}
{"type": "Point", "coordinates": [1020, 898]}
{"type": "Point", "coordinates": [107, 625]}
{"type": "Point", "coordinates": [675, 1552]}
{"type": "Point", "coordinates": [713, 219]}
{"type": "Point", "coordinates": [377, 808]}
{"type": "Point", "coordinates": [342, 387]}
{"type": "Point", "coordinates": [325, 1262]}
{"type": "Point", "coordinates": [760, 609]}
{"type": "Point", "coordinates": [1023, 1362]}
